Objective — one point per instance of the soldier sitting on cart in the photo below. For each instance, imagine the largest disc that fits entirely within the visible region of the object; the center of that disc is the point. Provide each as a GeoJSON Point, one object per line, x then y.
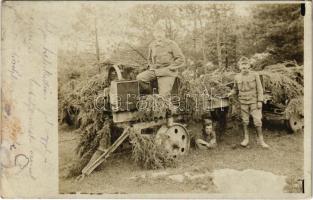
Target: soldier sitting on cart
{"type": "Point", "coordinates": [165, 58]}
{"type": "Point", "coordinates": [250, 95]}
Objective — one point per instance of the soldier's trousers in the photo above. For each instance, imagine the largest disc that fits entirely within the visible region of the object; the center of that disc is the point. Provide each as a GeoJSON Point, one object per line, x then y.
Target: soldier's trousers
{"type": "Point", "coordinates": [254, 111]}
{"type": "Point", "coordinates": [164, 76]}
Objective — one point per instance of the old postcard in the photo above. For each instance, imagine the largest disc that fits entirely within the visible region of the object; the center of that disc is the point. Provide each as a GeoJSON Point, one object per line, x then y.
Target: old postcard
{"type": "Point", "coordinates": [174, 99]}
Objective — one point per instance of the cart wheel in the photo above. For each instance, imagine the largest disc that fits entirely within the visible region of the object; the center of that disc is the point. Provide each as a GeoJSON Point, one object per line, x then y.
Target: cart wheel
{"type": "Point", "coordinates": [295, 123]}
{"type": "Point", "coordinates": [175, 139]}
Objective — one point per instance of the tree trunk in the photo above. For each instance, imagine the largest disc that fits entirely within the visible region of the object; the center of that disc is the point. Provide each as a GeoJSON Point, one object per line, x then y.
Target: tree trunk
{"type": "Point", "coordinates": [219, 49]}
{"type": "Point", "coordinates": [195, 34]}
{"type": "Point", "coordinates": [226, 56]}
{"type": "Point", "coordinates": [202, 27]}
{"type": "Point", "coordinates": [218, 38]}
{"type": "Point", "coordinates": [97, 46]}
{"type": "Point", "coordinates": [235, 48]}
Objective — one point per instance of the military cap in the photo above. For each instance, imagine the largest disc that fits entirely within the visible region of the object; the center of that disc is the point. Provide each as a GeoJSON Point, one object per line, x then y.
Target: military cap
{"type": "Point", "coordinates": [244, 60]}
{"type": "Point", "coordinates": [207, 122]}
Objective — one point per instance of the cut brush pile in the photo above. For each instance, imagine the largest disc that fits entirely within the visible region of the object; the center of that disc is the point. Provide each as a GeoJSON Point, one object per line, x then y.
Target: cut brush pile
{"type": "Point", "coordinates": [77, 107]}
{"type": "Point", "coordinates": [147, 154]}
{"type": "Point", "coordinates": [286, 87]}
{"type": "Point", "coordinates": [215, 85]}
{"type": "Point", "coordinates": [284, 83]}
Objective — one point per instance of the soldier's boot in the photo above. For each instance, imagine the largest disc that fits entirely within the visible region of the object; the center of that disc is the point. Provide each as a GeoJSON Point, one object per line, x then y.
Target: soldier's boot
{"type": "Point", "coordinates": [245, 141]}
{"type": "Point", "coordinates": [261, 139]}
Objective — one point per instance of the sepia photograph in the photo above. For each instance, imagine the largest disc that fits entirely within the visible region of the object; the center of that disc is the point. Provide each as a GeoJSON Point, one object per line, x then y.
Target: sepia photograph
{"type": "Point", "coordinates": [192, 97]}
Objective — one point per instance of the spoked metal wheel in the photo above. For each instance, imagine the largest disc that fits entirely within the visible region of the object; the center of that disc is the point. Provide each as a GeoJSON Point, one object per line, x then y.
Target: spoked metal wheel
{"type": "Point", "coordinates": [296, 123]}
{"type": "Point", "coordinates": [174, 139]}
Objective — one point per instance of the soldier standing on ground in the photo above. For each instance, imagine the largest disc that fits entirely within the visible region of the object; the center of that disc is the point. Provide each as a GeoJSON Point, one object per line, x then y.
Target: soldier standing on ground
{"type": "Point", "coordinates": [250, 95]}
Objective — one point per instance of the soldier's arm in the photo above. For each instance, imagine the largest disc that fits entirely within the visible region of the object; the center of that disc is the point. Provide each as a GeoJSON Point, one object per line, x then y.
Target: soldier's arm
{"type": "Point", "coordinates": [259, 88]}
{"type": "Point", "coordinates": [213, 140]}
{"type": "Point", "coordinates": [179, 58]}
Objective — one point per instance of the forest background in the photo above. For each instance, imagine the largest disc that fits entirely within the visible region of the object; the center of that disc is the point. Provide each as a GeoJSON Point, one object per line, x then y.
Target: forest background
{"type": "Point", "coordinates": [218, 34]}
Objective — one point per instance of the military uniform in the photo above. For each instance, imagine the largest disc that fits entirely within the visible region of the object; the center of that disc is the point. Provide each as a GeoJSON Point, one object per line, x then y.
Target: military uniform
{"type": "Point", "coordinates": [250, 95]}
{"type": "Point", "coordinates": [204, 141]}
{"type": "Point", "coordinates": [250, 92]}
{"type": "Point", "coordinates": [165, 57]}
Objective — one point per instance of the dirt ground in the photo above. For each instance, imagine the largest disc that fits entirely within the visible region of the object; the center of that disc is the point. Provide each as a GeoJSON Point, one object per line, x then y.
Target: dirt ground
{"type": "Point", "coordinates": [119, 175]}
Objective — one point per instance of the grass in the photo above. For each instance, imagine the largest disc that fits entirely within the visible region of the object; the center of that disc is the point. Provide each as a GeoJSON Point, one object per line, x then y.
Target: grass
{"type": "Point", "coordinates": [284, 158]}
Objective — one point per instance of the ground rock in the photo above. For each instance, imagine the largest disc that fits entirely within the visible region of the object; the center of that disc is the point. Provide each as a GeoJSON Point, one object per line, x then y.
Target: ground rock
{"type": "Point", "coordinates": [178, 178]}
{"type": "Point", "coordinates": [248, 181]}
{"type": "Point", "coordinates": [159, 174]}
